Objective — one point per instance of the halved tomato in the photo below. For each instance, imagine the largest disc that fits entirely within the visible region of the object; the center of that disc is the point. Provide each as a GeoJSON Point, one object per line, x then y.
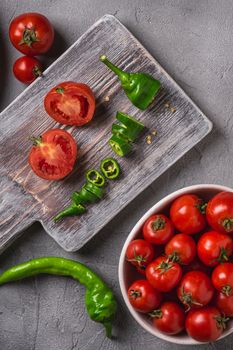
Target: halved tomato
{"type": "Point", "coordinates": [53, 155]}
{"type": "Point", "coordinates": [70, 103]}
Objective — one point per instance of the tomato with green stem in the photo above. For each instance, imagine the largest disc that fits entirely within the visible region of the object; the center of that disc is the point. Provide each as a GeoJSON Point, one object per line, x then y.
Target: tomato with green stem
{"type": "Point", "coordinates": [188, 214]}
{"type": "Point", "coordinates": [31, 33]}
{"type": "Point", "coordinates": [163, 274]}
{"type": "Point", "coordinates": [224, 303]}
{"type": "Point", "coordinates": [219, 212]}
{"type": "Point", "coordinates": [222, 278]}
{"type": "Point", "coordinates": [181, 248]}
{"type": "Point", "coordinates": [53, 155]}
{"type": "Point", "coordinates": [205, 324]}
{"type": "Point", "coordinates": [26, 69]}
{"type": "Point", "coordinates": [143, 297]}
{"type": "Point", "coordinates": [169, 318]}
{"type": "Point", "coordinates": [214, 248]}
{"type": "Point", "coordinates": [140, 253]}
{"type": "Point", "coordinates": [195, 290]}
{"type": "Point", "coordinates": [158, 229]}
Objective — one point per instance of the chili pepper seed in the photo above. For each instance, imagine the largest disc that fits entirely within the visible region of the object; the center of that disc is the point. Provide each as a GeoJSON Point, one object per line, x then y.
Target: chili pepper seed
{"type": "Point", "coordinates": [148, 139]}
{"type": "Point", "coordinates": [106, 98]}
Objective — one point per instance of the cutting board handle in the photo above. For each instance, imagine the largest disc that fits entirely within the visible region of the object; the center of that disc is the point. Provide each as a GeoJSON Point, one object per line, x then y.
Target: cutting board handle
{"type": "Point", "coordinates": [17, 211]}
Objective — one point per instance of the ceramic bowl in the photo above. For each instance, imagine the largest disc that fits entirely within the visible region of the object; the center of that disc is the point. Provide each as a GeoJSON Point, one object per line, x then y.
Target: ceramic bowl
{"type": "Point", "coordinates": [127, 272]}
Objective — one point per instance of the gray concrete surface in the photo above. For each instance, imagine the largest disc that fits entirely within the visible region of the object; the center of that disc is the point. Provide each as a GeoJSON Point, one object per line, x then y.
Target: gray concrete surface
{"type": "Point", "coordinates": [193, 40]}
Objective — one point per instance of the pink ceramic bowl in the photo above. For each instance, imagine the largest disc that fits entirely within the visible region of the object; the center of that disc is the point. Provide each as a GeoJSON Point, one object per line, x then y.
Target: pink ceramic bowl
{"type": "Point", "coordinates": [127, 272]}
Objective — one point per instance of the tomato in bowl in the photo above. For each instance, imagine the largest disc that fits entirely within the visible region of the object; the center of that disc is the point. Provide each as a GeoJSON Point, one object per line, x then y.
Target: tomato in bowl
{"type": "Point", "coordinates": [128, 274]}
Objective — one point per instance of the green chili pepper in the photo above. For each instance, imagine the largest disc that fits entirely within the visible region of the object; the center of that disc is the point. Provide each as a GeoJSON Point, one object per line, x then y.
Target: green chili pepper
{"type": "Point", "coordinates": [133, 126]}
{"type": "Point", "coordinates": [119, 145]}
{"type": "Point", "coordinates": [77, 198]}
{"type": "Point", "coordinates": [121, 130]}
{"type": "Point", "coordinates": [110, 168]}
{"type": "Point", "coordinates": [73, 209]}
{"type": "Point", "coordinates": [93, 176]}
{"type": "Point", "coordinates": [93, 189]}
{"type": "Point", "coordinates": [99, 300]}
{"type": "Point", "coordinates": [140, 88]}
{"type": "Point", "coordinates": [87, 196]}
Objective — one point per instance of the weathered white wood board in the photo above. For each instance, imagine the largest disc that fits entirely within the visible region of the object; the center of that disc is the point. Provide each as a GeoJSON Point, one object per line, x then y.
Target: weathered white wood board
{"type": "Point", "coordinates": [25, 198]}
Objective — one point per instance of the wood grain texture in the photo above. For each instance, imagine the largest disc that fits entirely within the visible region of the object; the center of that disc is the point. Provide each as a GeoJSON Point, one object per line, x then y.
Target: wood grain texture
{"type": "Point", "coordinates": [25, 198]}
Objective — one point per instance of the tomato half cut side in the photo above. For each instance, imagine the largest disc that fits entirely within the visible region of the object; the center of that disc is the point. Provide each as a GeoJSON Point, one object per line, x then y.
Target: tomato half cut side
{"type": "Point", "coordinates": [70, 103]}
{"type": "Point", "coordinates": [53, 155]}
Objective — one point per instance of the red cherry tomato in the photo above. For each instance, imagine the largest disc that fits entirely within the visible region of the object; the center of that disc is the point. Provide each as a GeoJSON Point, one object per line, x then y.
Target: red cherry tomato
{"type": "Point", "coordinates": [195, 289]}
{"type": "Point", "coordinates": [219, 212]}
{"type": "Point", "coordinates": [224, 303]}
{"type": "Point", "coordinates": [143, 297]}
{"type": "Point", "coordinates": [181, 248]}
{"type": "Point", "coordinates": [163, 274]}
{"type": "Point", "coordinates": [222, 278]}
{"type": "Point", "coordinates": [27, 69]}
{"type": "Point", "coordinates": [53, 155]}
{"type": "Point", "coordinates": [169, 318]}
{"type": "Point", "coordinates": [187, 214]}
{"type": "Point", "coordinates": [140, 253]}
{"type": "Point", "coordinates": [70, 103]}
{"type": "Point", "coordinates": [31, 33]}
{"type": "Point", "coordinates": [158, 229]}
{"type": "Point", "coordinates": [205, 324]}
{"type": "Point", "coordinates": [214, 248]}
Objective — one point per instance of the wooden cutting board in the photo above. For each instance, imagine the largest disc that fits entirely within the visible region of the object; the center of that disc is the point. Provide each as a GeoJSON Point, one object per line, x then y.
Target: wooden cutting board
{"type": "Point", "coordinates": [25, 198]}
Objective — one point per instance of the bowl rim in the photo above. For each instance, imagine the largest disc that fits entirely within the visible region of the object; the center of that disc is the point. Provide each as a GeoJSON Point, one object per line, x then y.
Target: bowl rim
{"type": "Point", "coordinates": [134, 231]}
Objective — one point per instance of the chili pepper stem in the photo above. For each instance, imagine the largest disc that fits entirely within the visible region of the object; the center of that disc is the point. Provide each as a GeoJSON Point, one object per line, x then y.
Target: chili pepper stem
{"type": "Point", "coordinates": [121, 74]}
{"type": "Point", "coordinates": [108, 329]}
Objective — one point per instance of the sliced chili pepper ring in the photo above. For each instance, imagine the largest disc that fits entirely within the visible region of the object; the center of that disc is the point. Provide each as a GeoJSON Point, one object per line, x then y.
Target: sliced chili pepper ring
{"type": "Point", "coordinates": [119, 145]}
{"type": "Point", "coordinates": [87, 196]}
{"type": "Point", "coordinates": [93, 176]}
{"type": "Point", "coordinates": [77, 198]}
{"type": "Point", "coordinates": [110, 168]}
{"type": "Point", "coordinates": [93, 189]}
{"type": "Point", "coordinates": [121, 130]}
{"type": "Point", "coordinates": [133, 126]}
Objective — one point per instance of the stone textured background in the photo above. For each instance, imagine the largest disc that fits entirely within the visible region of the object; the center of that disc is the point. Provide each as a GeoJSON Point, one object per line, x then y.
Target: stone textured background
{"type": "Point", "coordinates": [193, 40]}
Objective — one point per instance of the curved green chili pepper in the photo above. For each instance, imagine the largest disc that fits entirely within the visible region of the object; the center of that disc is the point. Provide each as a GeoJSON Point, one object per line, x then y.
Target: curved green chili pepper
{"type": "Point", "coordinates": [110, 168]}
{"type": "Point", "coordinates": [93, 176]}
{"type": "Point", "coordinates": [140, 88]}
{"type": "Point", "coordinates": [73, 209]}
{"type": "Point", "coordinates": [99, 300]}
